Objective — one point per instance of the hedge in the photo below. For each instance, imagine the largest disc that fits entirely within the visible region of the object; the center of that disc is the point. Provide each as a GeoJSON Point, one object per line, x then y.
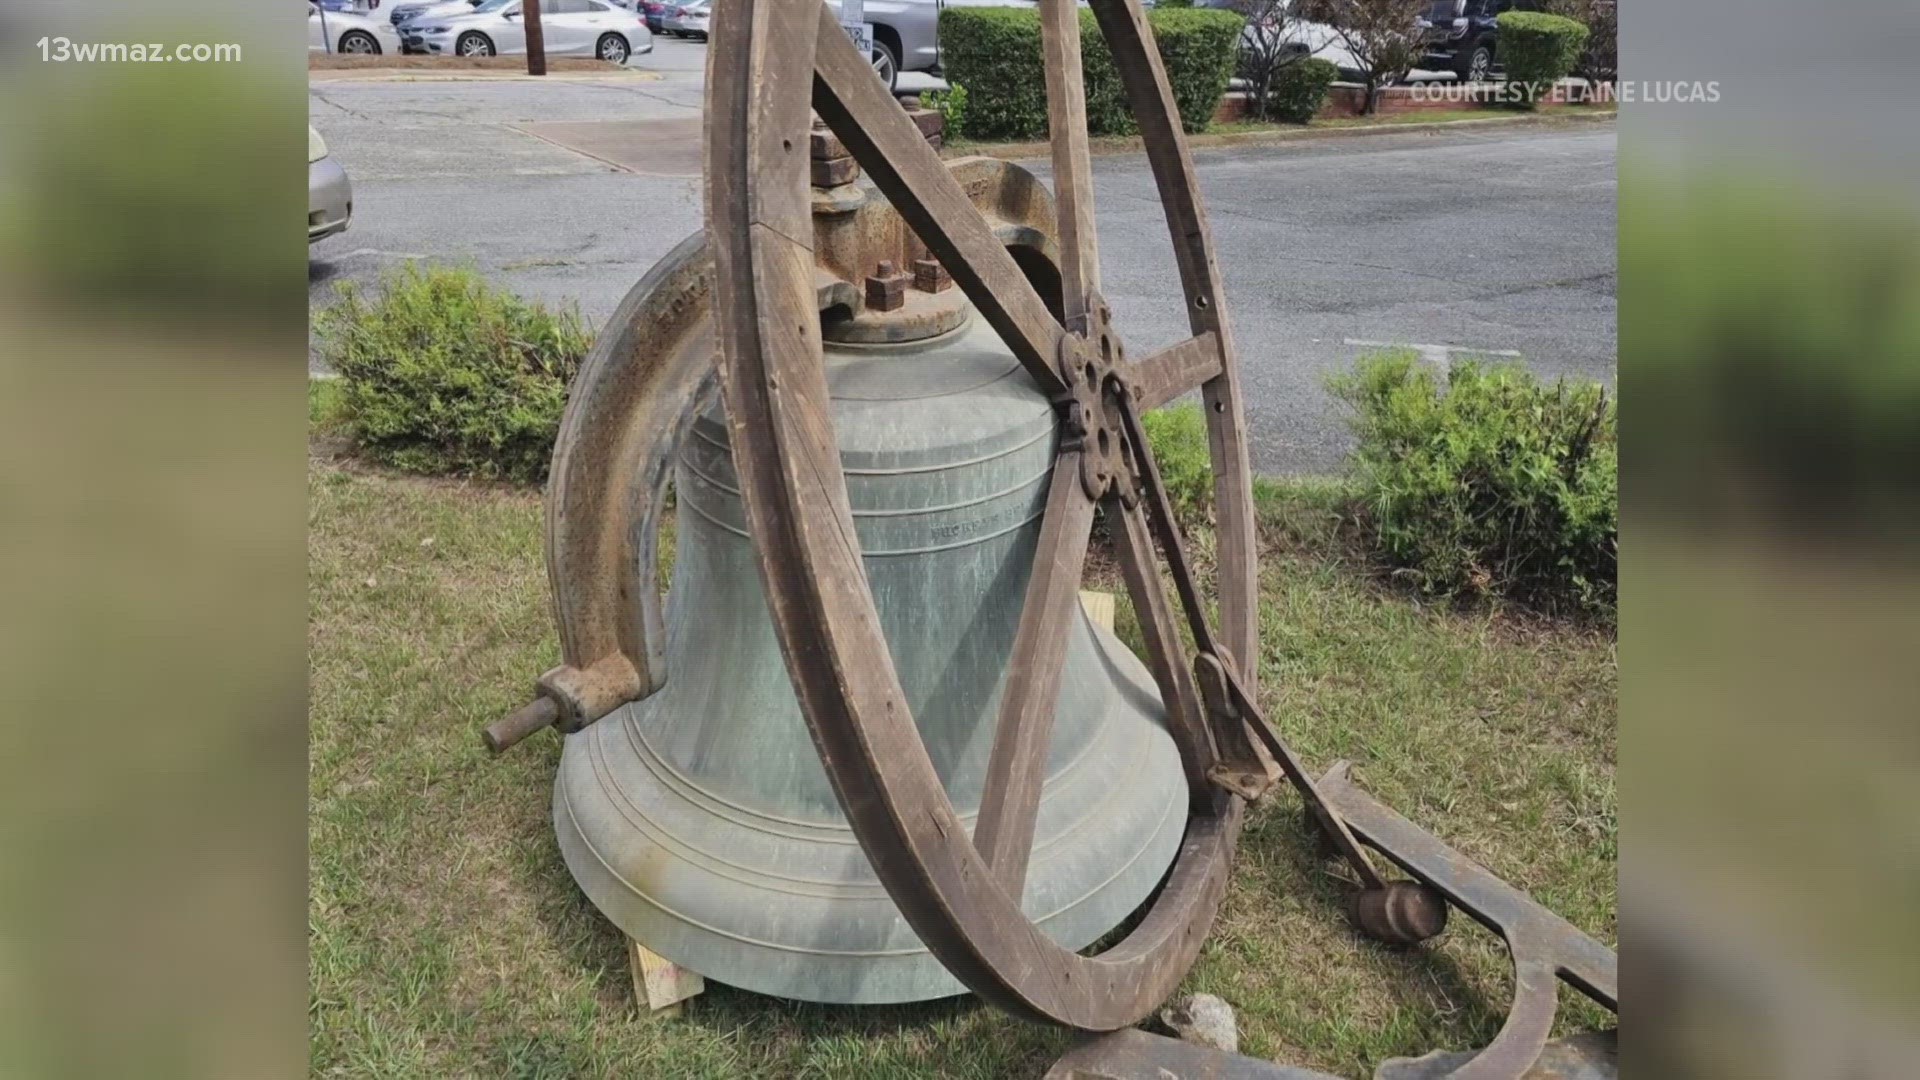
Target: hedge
{"type": "Point", "coordinates": [1489, 483]}
{"type": "Point", "coordinates": [995, 53]}
{"type": "Point", "coordinates": [442, 373]}
{"type": "Point", "coordinates": [1300, 89]}
{"type": "Point", "coordinates": [1539, 50]}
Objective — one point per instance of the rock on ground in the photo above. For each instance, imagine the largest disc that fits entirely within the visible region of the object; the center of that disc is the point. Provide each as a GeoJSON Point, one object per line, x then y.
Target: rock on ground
{"type": "Point", "coordinates": [1204, 1020]}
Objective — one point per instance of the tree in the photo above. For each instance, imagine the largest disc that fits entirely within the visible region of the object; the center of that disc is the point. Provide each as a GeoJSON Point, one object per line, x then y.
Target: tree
{"type": "Point", "coordinates": [1384, 36]}
{"type": "Point", "coordinates": [1267, 47]}
{"type": "Point", "coordinates": [1600, 61]}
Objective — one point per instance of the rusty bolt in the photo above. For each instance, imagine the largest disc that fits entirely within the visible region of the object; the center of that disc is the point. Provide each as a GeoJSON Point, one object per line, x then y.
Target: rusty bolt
{"type": "Point", "coordinates": [833, 172]}
{"type": "Point", "coordinates": [824, 145]}
{"type": "Point", "coordinates": [886, 288]}
{"type": "Point", "coordinates": [930, 276]}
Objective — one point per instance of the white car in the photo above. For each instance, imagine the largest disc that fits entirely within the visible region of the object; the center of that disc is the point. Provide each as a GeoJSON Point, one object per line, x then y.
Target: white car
{"type": "Point", "coordinates": [688, 20]}
{"type": "Point", "coordinates": [1303, 38]}
{"type": "Point", "coordinates": [406, 13]}
{"type": "Point", "coordinates": [349, 32]}
{"type": "Point", "coordinates": [568, 27]}
{"type": "Point", "coordinates": [329, 192]}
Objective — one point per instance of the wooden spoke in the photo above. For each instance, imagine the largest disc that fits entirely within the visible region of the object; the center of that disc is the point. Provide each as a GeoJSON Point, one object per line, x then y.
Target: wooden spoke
{"type": "Point", "coordinates": [1072, 166]}
{"type": "Point", "coordinates": [1010, 800]}
{"type": "Point", "coordinates": [861, 111]}
{"type": "Point", "coordinates": [1173, 371]}
{"type": "Point", "coordinates": [1136, 57]}
{"type": "Point", "coordinates": [1133, 544]}
{"type": "Point", "coordinates": [1161, 526]}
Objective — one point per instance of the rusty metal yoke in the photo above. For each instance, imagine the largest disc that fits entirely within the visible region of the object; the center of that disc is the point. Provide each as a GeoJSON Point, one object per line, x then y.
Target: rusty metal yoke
{"type": "Point", "coordinates": [1545, 949]}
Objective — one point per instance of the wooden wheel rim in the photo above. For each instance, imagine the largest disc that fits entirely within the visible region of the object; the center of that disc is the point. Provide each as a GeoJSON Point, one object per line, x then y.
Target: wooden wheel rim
{"type": "Point", "coordinates": [769, 64]}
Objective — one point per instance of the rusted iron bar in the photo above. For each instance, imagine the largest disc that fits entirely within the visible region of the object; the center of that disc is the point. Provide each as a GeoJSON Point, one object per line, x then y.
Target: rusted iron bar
{"type": "Point", "coordinates": [509, 730]}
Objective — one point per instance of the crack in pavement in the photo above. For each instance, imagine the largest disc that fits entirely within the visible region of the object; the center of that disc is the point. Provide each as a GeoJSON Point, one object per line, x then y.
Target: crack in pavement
{"type": "Point", "coordinates": [325, 100]}
{"type": "Point", "coordinates": [651, 96]}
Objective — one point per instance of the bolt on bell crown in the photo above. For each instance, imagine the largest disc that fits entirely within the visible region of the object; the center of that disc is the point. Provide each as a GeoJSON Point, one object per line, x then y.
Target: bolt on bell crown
{"type": "Point", "coordinates": [700, 819]}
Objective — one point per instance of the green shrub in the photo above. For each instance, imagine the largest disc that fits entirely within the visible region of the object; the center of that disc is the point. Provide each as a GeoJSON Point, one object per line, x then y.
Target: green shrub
{"type": "Point", "coordinates": [326, 405]}
{"type": "Point", "coordinates": [1300, 89]}
{"type": "Point", "coordinates": [1178, 435]}
{"type": "Point", "coordinates": [1600, 61]}
{"type": "Point", "coordinates": [445, 374]}
{"type": "Point", "coordinates": [1539, 50]}
{"type": "Point", "coordinates": [951, 104]}
{"type": "Point", "coordinates": [1201, 50]}
{"type": "Point", "coordinates": [1493, 484]}
{"type": "Point", "coordinates": [996, 53]}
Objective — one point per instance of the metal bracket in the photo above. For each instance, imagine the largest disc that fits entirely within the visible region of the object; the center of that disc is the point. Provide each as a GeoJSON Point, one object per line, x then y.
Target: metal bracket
{"type": "Point", "coordinates": [1545, 949]}
{"type": "Point", "coordinates": [1133, 1054]}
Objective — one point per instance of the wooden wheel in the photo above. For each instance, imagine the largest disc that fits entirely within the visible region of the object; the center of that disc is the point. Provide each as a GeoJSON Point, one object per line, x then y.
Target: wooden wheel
{"type": "Point", "coordinates": [770, 63]}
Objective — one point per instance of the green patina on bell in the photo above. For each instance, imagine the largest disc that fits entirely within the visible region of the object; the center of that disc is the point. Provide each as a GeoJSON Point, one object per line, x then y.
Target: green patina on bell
{"type": "Point", "coordinates": [700, 820]}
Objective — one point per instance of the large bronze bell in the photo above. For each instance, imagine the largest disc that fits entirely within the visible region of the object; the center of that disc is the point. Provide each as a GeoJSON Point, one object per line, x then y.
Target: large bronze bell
{"type": "Point", "coordinates": [700, 820]}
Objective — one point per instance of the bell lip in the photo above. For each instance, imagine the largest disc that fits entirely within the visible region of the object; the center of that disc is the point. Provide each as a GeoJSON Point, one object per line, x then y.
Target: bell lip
{"type": "Point", "coordinates": [887, 975]}
{"type": "Point", "coordinates": [915, 975]}
{"type": "Point", "coordinates": [687, 793]}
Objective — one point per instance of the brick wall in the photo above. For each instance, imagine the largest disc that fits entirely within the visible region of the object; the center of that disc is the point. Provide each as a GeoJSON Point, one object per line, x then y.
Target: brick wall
{"type": "Point", "coordinates": [1344, 100]}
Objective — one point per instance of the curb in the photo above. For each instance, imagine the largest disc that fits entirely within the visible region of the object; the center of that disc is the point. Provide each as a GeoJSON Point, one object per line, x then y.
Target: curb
{"type": "Point", "coordinates": [1023, 151]}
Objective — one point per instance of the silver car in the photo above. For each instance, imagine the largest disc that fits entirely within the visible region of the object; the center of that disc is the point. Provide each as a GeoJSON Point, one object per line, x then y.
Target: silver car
{"type": "Point", "coordinates": [329, 194]}
{"type": "Point", "coordinates": [688, 20]}
{"type": "Point", "coordinates": [568, 27]}
{"type": "Point", "coordinates": [906, 33]}
{"type": "Point", "coordinates": [402, 14]}
{"type": "Point", "coordinates": [348, 32]}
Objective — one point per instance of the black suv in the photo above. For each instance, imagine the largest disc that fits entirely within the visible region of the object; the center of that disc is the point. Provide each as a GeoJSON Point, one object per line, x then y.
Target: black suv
{"type": "Point", "coordinates": [1462, 36]}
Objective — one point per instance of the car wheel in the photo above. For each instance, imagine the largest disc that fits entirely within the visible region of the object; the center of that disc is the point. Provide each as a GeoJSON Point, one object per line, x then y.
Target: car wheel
{"type": "Point", "coordinates": [885, 63]}
{"type": "Point", "coordinates": [359, 43]}
{"type": "Point", "coordinates": [613, 49]}
{"type": "Point", "coordinates": [474, 43]}
{"type": "Point", "coordinates": [1479, 66]}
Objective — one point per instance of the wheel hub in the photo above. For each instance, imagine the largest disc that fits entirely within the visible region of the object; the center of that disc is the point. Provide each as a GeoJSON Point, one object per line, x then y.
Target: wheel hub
{"type": "Point", "coordinates": [1092, 365]}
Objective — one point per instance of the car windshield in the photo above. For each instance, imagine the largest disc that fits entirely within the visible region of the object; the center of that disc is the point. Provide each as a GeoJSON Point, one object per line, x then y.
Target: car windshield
{"type": "Point", "coordinates": [1443, 10]}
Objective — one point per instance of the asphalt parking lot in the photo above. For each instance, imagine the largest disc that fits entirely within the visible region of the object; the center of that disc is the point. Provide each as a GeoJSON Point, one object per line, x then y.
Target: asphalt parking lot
{"type": "Point", "coordinates": [1494, 240]}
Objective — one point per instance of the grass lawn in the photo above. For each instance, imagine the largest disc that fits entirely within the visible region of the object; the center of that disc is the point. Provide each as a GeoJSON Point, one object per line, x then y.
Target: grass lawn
{"type": "Point", "coordinates": [1411, 116]}
{"type": "Point", "coordinates": [446, 937]}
